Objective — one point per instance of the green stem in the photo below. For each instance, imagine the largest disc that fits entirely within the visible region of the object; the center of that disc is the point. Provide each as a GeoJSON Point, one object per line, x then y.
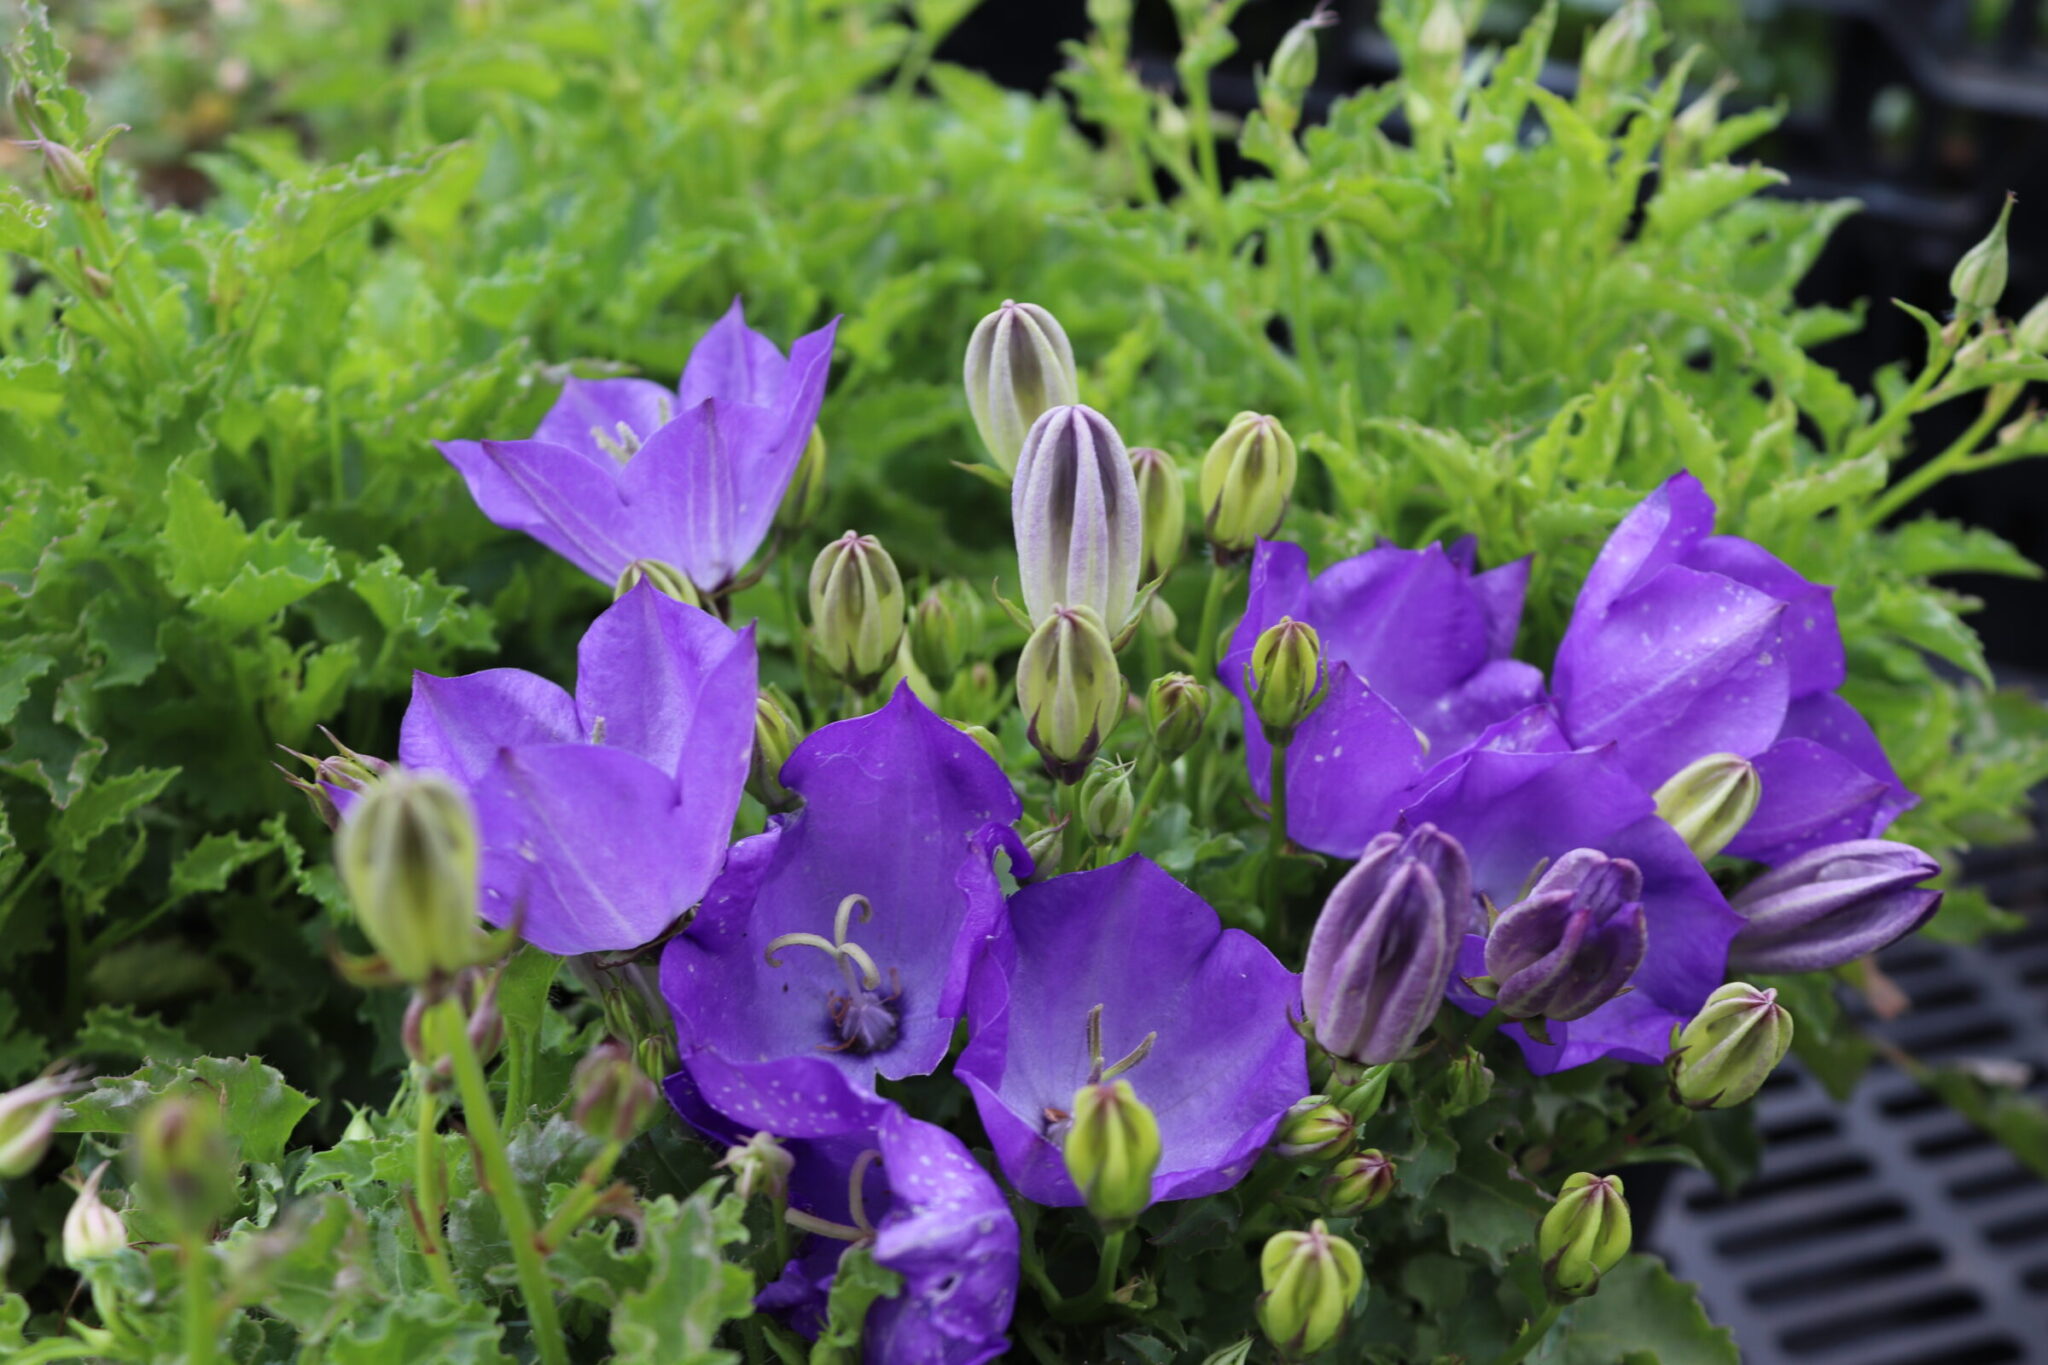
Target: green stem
{"type": "Point", "coordinates": [1532, 1333]}
{"type": "Point", "coordinates": [1298, 243]}
{"type": "Point", "coordinates": [1899, 413]}
{"type": "Point", "coordinates": [1220, 576]}
{"type": "Point", "coordinates": [589, 1189]}
{"type": "Point", "coordinates": [427, 1190]}
{"type": "Point", "coordinates": [1089, 1306]}
{"type": "Point", "coordinates": [1276, 824]}
{"type": "Point", "coordinates": [1952, 460]}
{"type": "Point", "coordinates": [1147, 798]}
{"type": "Point", "coordinates": [1483, 1030]}
{"type": "Point", "coordinates": [100, 235]}
{"type": "Point", "coordinates": [490, 1146]}
{"type": "Point", "coordinates": [1631, 1132]}
{"type": "Point", "coordinates": [198, 1306]}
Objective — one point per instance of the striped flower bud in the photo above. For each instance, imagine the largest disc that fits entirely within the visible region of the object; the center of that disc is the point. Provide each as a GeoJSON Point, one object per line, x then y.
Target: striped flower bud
{"type": "Point", "coordinates": [1070, 689]}
{"type": "Point", "coordinates": [1709, 800]}
{"type": "Point", "coordinates": [1246, 482]}
{"type": "Point", "coordinates": [857, 608]}
{"type": "Point", "coordinates": [1724, 1055]}
{"type": "Point", "coordinates": [1584, 1235]}
{"type": "Point", "coordinates": [1019, 364]}
{"type": "Point", "coordinates": [1079, 530]}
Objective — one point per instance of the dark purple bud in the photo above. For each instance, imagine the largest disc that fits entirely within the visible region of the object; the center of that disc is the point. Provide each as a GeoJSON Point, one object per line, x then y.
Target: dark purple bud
{"type": "Point", "coordinates": [1385, 943]}
{"type": "Point", "coordinates": [1572, 943]}
{"type": "Point", "coordinates": [1832, 905]}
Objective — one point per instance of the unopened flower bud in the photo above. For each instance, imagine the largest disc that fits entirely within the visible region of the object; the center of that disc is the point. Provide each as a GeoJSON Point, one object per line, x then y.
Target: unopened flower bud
{"type": "Point", "coordinates": [1832, 905]}
{"type": "Point", "coordinates": [856, 609]}
{"type": "Point", "coordinates": [483, 1023]}
{"type": "Point", "coordinates": [93, 1231]}
{"type": "Point", "coordinates": [938, 638]}
{"type": "Point", "coordinates": [1697, 121]}
{"type": "Point", "coordinates": [1112, 1150]}
{"type": "Point", "coordinates": [805, 496]}
{"type": "Point", "coordinates": [1292, 72]}
{"type": "Point", "coordinates": [611, 1098]}
{"type": "Point", "coordinates": [1106, 801]}
{"type": "Point", "coordinates": [1285, 677]}
{"type": "Point", "coordinates": [2031, 331]}
{"type": "Point", "coordinates": [1724, 1055]}
{"type": "Point", "coordinates": [1709, 800]}
{"type": "Point", "coordinates": [29, 1115]}
{"type": "Point", "coordinates": [1978, 281]}
{"type": "Point", "coordinates": [1584, 1235]}
{"type": "Point", "coordinates": [1160, 619]}
{"type": "Point", "coordinates": [775, 738]}
{"type": "Point", "coordinates": [1311, 1279]}
{"type": "Point", "coordinates": [408, 856]}
{"type": "Point", "coordinates": [338, 778]}
{"type": "Point", "coordinates": [982, 736]}
{"type": "Point", "coordinates": [1019, 364]}
{"type": "Point", "coordinates": [359, 1129]}
{"type": "Point", "coordinates": [1615, 56]}
{"type": "Point", "coordinates": [1071, 690]}
{"type": "Point", "coordinates": [1359, 1183]}
{"type": "Point", "coordinates": [66, 171]}
{"type": "Point", "coordinates": [1384, 945]}
{"type": "Point", "coordinates": [1468, 1083]}
{"type": "Point", "coordinates": [1572, 943]}
{"type": "Point", "coordinates": [1163, 507]}
{"type": "Point", "coordinates": [1048, 849]}
{"type": "Point", "coordinates": [1074, 504]}
{"type": "Point", "coordinates": [1315, 1130]}
{"type": "Point", "coordinates": [1176, 711]}
{"type": "Point", "coordinates": [759, 1166]}
{"type": "Point", "coordinates": [1363, 1098]}
{"type": "Point", "coordinates": [184, 1168]}
{"type": "Point", "coordinates": [666, 578]}
{"type": "Point", "coordinates": [1247, 481]}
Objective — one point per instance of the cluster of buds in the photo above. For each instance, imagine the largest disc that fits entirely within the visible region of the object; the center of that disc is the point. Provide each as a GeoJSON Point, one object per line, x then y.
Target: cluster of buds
{"type": "Point", "coordinates": [1071, 690]}
{"type": "Point", "coordinates": [1584, 1235]}
{"type": "Point", "coordinates": [1731, 1046]}
{"type": "Point", "coordinates": [407, 855]}
{"type": "Point", "coordinates": [857, 610]}
{"type": "Point", "coordinates": [1019, 365]}
{"type": "Point", "coordinates": [1572, 943]}
{"type": "Point", "coordinates": [1709, 800]}
{"type": "Point", "coordinates": [337, 779]}
{"type": "Point", "coordinates": [1311, 1279]}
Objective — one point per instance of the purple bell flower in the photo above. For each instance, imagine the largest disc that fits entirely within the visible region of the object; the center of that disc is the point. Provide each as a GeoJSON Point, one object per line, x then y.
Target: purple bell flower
{"type": "Point", "coordinates": [1572, 943]}
{"type": "Point", "coordinates": [1385, 944]}
{"type": "Point", "coordinates": [1522, 799]}
{"type": "Point", "coordinates": [1193, 1015]}
{"type": "Point", "coordinates": [623, 469]}
{"type": "Point", "coordinates": [603, 816]}
{"type": "Point", "coordinates": [1832, 905]}
{"type": "Point", "coordinates": [1684, 644]}
{"type": "Point", "coordinates": [1416, 645]}
{"type": "Point", "coordinates": [837, 946]}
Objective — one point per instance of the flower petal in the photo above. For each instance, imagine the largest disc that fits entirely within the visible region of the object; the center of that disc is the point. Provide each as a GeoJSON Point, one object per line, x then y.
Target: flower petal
{"type": "Point", "coordinates": [1347, 767]}
{"type": "Point", "coordinates": [674, 685]}
{"type": "Point", "coordinates": [590, 407]}
{"type": "Point", "coordinates": [734, 362]}
{"type": "Point", "coordinates": [567, 500]}
{"type": "Point", "coordinates": [457, 725]}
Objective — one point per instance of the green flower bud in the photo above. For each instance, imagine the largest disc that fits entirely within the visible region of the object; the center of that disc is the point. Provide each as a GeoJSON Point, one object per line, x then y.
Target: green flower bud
{"type": "Point", "coordinates": [856, 609]}
{"type": "Point", "coordinates": [1071, 690]}
{"type": "Point", "coordinates": [1616, 56]}
{"type": "Point", "coordinates": [611, 1098]}
{"type": "Point", "coordinates": [1359, 1183]}
{"type": "Point", "coordinates": [1048, 848]}
{"type": "Point", "coordinates": [938, 640]}
{"type": "Point", "coordinates": [1468, 1083]}
{"type": "Point", "coordinates": [1246, 482]}
{"type": "Point", "coordinates": [1979, 278]}
{"type": "Point", "coordinates": [1286, 677]}
{"type": "Point", "coordinates": [1292, 72]}
{"type": "Point", "coordinates": [184, 1167]}
{"type": "Point", "coordinates": [1583, 1236]}
{"type": "Point", "coordinates": [346, 770]}
{"type": "Point", "coordinates": [408, 857]}
{"type": "Point", "coordinates": [1363, 1099]}
{"type": "Point", "coordinates": [1107, 803]}
{"type": "Point", "coordinates": [1162, 509]}
{"type": "Point", "coordinates": [805, 496]}
{"type": "Point", "coordinates": [92, 1230]}
{"type": "Point", "coordinates": [1315, 1130]}
{"type": "Point", "coordinates": [980, 734]}
{"type": "Point", "coordinates": [1176, 712]}
{"type": "Point", "coordinates": [761, 1165]}
{"type": "Point", "coordinates": [775, 738]}
{"type": "Point", "coordinates": [1111, 1150]}
{"type": "Point", "coordinates": [359, 1129]}
{"type": "Point", "coordinates": [1709, 800]}
{"type": "Point", "coordinates": [1734, 1042]}
{"type": "Point", "coordinates": [667, 579]}
{"type": "Point", "coordinates": [29, 1115]}
{"type": "Point", "coordinates": [66, 171]}
{"type": "Point", "coordinates": [1019, 366]}
{"type": "Point", "coordinates": [1440, 42]}
{"type": "Point", "coordinates": [1311, 1280]}
{"type": "Point", "coordinates": [2031, 331]}
{"type": "Point", "coordinates": [1159, 618]}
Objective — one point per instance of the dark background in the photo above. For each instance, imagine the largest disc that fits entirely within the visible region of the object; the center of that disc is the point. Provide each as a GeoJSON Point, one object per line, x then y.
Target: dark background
{"type": "Point", "coordinates": [1926, 111]}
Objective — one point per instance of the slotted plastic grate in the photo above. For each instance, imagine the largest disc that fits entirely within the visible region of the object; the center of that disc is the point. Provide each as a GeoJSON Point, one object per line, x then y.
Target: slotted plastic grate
{"type": "Point", "coordinates": [1891, 1231]}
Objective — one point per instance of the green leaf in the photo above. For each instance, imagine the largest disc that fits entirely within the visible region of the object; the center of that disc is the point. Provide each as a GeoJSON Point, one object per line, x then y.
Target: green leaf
{"type": "Point", "coordinates": [257, 1108]}
{"type": "Point", "coordinates": [1931, 546]}
{"type": "Point", "coordinates": [692, 1291]}
{"type": "Point", "coordinates": [1485, 1204]}
{"type": "Point", "coordinates": [235, 576]}
{"type": "Point", "coordinates": [861, 1280]}
{"type": "Point", "coordinates": [422, 1328]}
{"type": "Point", "coordinates": [107, 803]}
{"type": "Point", "coordinates": [1930, 619]}
{"type": "Point", "coordinates": [1642, 1316]}
{"type": "Point", "coordinates": [207, 865]}
{"type": "Point", "coordinates": [1688, 199]}
{"type": "Point", "coordinates": [118, 1031]}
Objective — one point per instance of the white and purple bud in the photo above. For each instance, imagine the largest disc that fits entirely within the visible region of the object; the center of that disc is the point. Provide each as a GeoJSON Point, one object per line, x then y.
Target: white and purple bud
{"type": "Point", "coordinates": [1070, 690]}
{"type": "Point", "coordinates": [93, 1231]}
{"type": "Point", "coordinates": [1080, 527]}
{"type": "Point", "coordinates": [1019, 364]}
{"type": "Point", "coordinates": [1832, 905]}
{"type": "Point", "coordinates": [1385, 944]}
{"type": "Point", "coordinates": [29, 1115]}
{"type": "Point", "coordinates": [761, 1165]}
{"type": "Point", "coordinates": [1572, 943]}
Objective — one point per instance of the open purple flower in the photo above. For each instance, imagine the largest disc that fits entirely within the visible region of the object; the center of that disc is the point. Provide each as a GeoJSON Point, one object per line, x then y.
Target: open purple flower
{"type": "Point", "coordinates": [603, 816]}
{"type": "Point", "coordinates": [1523, 799]}
{"type": "Point", "coordinates": [1209, 1007]}
{"type": "Point", "coordinates": [1417, 648]}
{"type": "Point", "coordinates": [1684, 644]}
{"type": "Point", "coordinates": [837, 946]}
{"type": "Point", "coordinates": [623, 469]}
{"type": "Point", "coordinates": [928, 1210]}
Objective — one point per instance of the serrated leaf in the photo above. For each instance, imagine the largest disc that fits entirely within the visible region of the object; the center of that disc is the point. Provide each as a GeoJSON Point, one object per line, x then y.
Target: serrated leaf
{"type": "Point", "coordinates": [1685, 201]}
{"type": "Point", "coordinates": [1641, 1314]}
{"type": "Point", "coordinates": [692, 1290]}
{"type": "Point", "coordinates": [118, 1031]}
{"type": "Point", "coordinates": [257, 1108]}
{"type": "Point", "coordinates": [422, 1328]}
{"type": "Point", "coordinates": [107, 803]}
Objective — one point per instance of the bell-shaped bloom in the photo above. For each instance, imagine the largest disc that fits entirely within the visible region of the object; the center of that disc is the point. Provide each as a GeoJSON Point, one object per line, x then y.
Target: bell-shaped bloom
{"type": "Point", "coordinates": [603, 816]}
{"type": "Point", "coordinates": [1832, 905]}
{"type": "Point", "coordinates": [1521, 800]}
{"type": "Point", "coordinates": [927, 1211]}
{"type": "Point", "coordinates": [1204, 1009]}
{"type": "Point", "coordinates": [624, 469]}
{"type": "Point", "coordinates": [1080, 527]}
{"type": "Point", "coordinates": [1416, 646]}
{"type": "Point", "coordinates": [837, 946]}
{"type": "Point", "coordinates": [1385, 944]}
{"type": "Point", "coordinates": [1684, 643]}
{"type": "Point", "coordinates": [1572, 943]}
